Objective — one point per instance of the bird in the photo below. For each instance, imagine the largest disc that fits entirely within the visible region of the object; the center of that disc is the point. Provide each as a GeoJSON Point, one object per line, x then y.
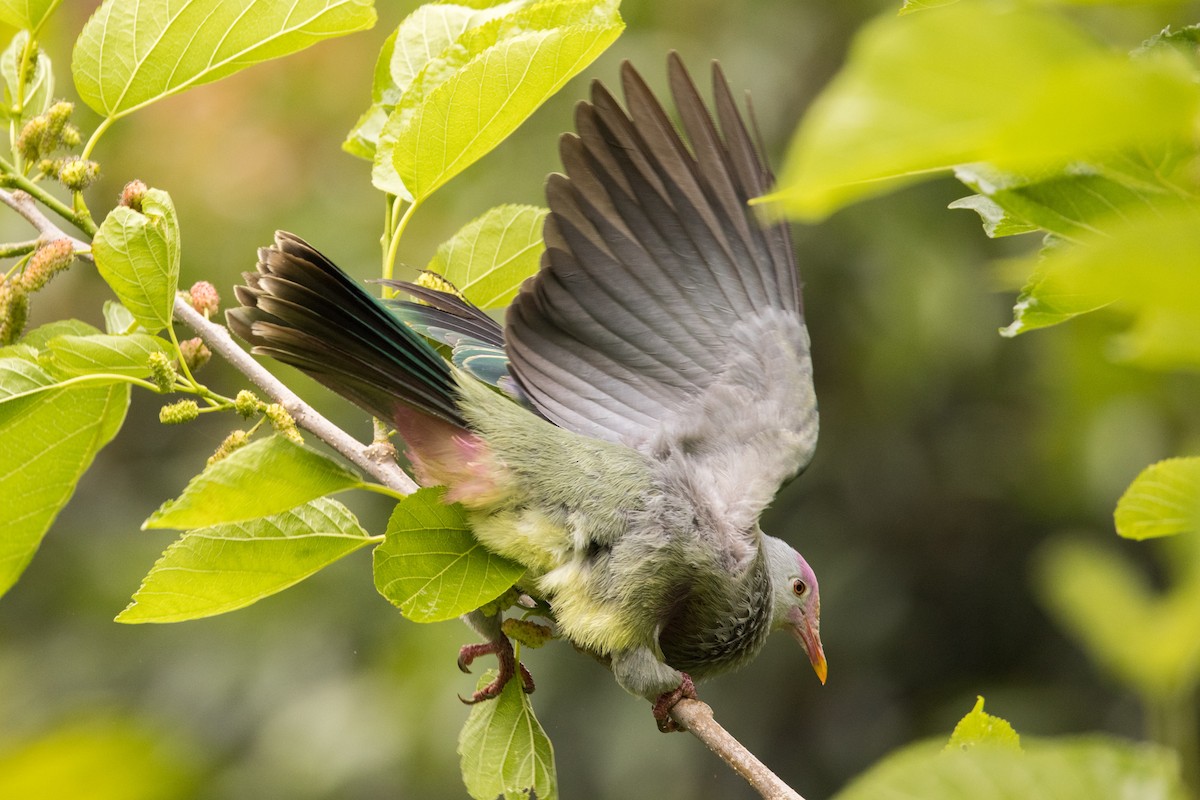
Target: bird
{"type": "Point", "coordinates": [648, 394]}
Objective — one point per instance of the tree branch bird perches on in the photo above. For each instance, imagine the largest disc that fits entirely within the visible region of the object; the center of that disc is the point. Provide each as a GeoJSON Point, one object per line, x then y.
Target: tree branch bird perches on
{"type": "Point", "coordinates": [648, 395]}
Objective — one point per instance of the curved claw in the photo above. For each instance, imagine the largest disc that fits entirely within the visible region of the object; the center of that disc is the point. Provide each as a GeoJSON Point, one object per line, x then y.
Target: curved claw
{"type": "Point", "coordinates": [667, 700]}
{"type": "Point", "coordinates": [508, 667]}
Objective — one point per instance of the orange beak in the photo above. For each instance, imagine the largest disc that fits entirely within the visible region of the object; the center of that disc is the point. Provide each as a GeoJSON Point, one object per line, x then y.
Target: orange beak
{"type": "Point", "coordinates": [810, 639]}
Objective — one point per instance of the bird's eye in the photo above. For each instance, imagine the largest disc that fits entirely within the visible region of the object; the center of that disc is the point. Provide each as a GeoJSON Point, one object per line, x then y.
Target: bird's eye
{"type": "Point", "coordinates": [799, 587]}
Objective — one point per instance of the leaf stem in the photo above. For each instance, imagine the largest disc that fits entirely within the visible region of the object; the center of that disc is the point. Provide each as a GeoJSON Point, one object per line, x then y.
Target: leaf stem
{"type": "Point", "coordinates": [379, 488]}
{"type": "Point", "coordinates": [95, 137]}
{"type": "Point", "coordinates": [389, 260]}
{"type": "Point", "coordinates": [14, 179]}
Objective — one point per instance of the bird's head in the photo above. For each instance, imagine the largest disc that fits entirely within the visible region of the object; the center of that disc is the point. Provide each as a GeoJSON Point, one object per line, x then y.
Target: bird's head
{"type": "Point", "coordinates": [797, 600]}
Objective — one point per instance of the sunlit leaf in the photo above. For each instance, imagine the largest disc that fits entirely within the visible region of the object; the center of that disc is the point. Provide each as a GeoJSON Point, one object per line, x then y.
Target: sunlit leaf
{"type": "Point", "coordinates": [1093, 768]}
{"type": "Point", "coordinates": [51, 434]}
{"type": "Point", "coordinates": [471, 100]}
{"type": "Point", "coordinates": [1143, 266]}
{"type": "Point", "coordinates": [491, 256]}
{"type": "Point", "coordinates": [980, 728]}
{"type": "Point", "coordinates": [134, 52]}
{"type": "Point", "coordinates": [1163, 500]}
{"type": "Point", "coordinates": [117, 318]}
{"type": "Point", "coordinates": [38, 91]}
{"type": "Point", "coordinates": [504, 751]}
{"type": "Point", "coordinates": [137, 254]}
{"type": "Point", "coordinates": [431, 567]}
{"type": "Point", "coordinates": [1010, 85]}
{"type": "Point", "coordinates": [997, 222]}
{"type": "Point", "coordinates": [26, 14]}
{"type": "Point", "coordinates": [226, 567]}
{"type": "Point", "coordinates": [920, 5]}
{"type": "Point", "coordinates": [262, 478]}
{"type": "Point", "coordinates": [121, 355]}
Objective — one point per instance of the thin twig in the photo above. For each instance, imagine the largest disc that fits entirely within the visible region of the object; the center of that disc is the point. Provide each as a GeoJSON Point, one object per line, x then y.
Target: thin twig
{"type": "Point", "coordinates": [696, 717]}
{"type": "Point", "coordinates": [219, 341]}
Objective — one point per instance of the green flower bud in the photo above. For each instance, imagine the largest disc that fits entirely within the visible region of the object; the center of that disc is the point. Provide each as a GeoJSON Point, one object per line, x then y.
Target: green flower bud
{"type": "Point", "coordinates": [162, 372]}
{"type": "Point", "coordinates": [32, 139]}
{"type": "Point", "coordinates": [504, 601]}
{"type": "Point", "coordinates": [282, 422]}
{"type": "Point", "coordinates": [78, 173]}
{"type": "Point", "coordinates": [232, 442]}
{"type": "Point", "coordinates": [14, 311]}
{"type": "Point", "coordinates": [247, 404]}
{"type": "Point", "coordinates": [178, 413]}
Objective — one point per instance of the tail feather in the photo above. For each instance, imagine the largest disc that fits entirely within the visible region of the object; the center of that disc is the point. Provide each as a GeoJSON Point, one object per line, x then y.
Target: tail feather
{"type": "Point", "coordinates": [302, 310]}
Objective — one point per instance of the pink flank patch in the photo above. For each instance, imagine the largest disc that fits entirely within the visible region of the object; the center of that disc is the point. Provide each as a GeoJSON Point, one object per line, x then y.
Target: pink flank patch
{"type": "Point", "coordinates": [443, 454]}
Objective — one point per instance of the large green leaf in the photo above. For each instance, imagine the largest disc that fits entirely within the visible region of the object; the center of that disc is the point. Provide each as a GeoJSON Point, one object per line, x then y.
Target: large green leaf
{"type": "Point", "coordinates": [491, 256]}
{"type": "Point", "coordinates": [1017, 87]}
{"type": "Point", "coordinates": [50, 438]}
{"type": "Point", "coordinates": [1143, 265]}
{"type": "Point", "coordinates": [420, 38]}
{"type": "Point", "coordinates": [262, 478]}
{"type": "Point", "coordinates": [137, 254]}
{"type": "Point", "coordinates": [1094, 768]}
{"type": "Point", "coordinates": [134, 52]}
{"type": "Point", "coordinates": [431, 567]}
{"type": "Point", "coordinates": [26, 14]}
{"type": "Point", "coordinates": [100, 352]}
{"type": "Point", "coordinates": [226, 567]}
{"type": "Point", "coordinates": [503, 750]}
{"type": "Point", "coordinates": [471, 98]}
{"type": "Point", "coordinates": [1163, 500]}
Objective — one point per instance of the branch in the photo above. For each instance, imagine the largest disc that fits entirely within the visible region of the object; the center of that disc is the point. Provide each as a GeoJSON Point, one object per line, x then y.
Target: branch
{"type": "Point", "coordinates": [696, 717]}
{"type": "Point", "coordinates": [24, 205]}
{"type": "Point", "coordinates": [383, 468]}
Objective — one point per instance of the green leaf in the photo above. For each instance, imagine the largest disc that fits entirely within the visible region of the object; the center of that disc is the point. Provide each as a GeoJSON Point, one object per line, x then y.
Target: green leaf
{"type": "Point", "coordinates": [491, 256]}
{"type": "Point", "coordinates": [1092, 768]}
{"type": "Point", "coordinates": [431, 567]}
{"type": "Point", "coordinates": [50, 439]}
{"type": "Point", "coordinates": [1163, 500]}
{"type": "Point", "coordinates": [1017, 87]}
{"type": "Point", "coordinates": [121, 355]}
{"type": "Point", "coordinates": [137, 254]}
{"type": "Point", "coordinates": [117, 318]}
{"type": "Point", "coordinates": [38, 92]}
{"type": "Point", "coordinates": [467, 103]}
{"type": "Point", "coordinates": [503, 750]}
{"type": "Point", "coordinates": [134, 52]}
{"type": "Point", "coordinates": [1143, 265]}
{"type": "Point", "coordinates": [26, 14]}
{"type": "Point", "coordinates": [262, 478]}
{"type": "Point", "coordinates": [226, 567]}
{"type": "Point", "coordinates": [423, 36]}
{"type": "Point", "coordinates": [1143, 637]}
{"type": "Point", "coordinates": [1074, 203]}
{"type": "Point", "coordinates": [978, 727]}
{"type": "Point", "coordinates": [997, 221]}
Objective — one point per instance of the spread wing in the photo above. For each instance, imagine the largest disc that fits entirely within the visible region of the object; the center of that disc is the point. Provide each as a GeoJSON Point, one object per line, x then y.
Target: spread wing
{"type": "Point", "coordinates": [666, 315]}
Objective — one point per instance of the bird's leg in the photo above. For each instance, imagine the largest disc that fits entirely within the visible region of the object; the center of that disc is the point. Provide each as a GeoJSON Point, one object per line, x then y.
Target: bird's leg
{"type": "Point", "coordinates": [667, 700]}
{"type": "Point", "coordinates": [497, 644]}
{"type": "Point", "coordinates": [640, 672]}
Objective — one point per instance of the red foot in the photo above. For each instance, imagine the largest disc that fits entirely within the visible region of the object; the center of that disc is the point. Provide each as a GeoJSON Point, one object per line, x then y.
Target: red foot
{"type": "Point", "coordinates": [667, 700]}
{"type": "Point", "coordinates": [503, 650]}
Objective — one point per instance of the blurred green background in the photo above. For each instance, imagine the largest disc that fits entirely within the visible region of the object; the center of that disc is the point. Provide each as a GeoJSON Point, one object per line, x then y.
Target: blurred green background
{"type": "Point", "coordinates": [949, 459]}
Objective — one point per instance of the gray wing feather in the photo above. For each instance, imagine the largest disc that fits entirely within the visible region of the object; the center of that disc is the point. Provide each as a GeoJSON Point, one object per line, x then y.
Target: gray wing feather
{"type": "Point", "coordinates": [667, 315]}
